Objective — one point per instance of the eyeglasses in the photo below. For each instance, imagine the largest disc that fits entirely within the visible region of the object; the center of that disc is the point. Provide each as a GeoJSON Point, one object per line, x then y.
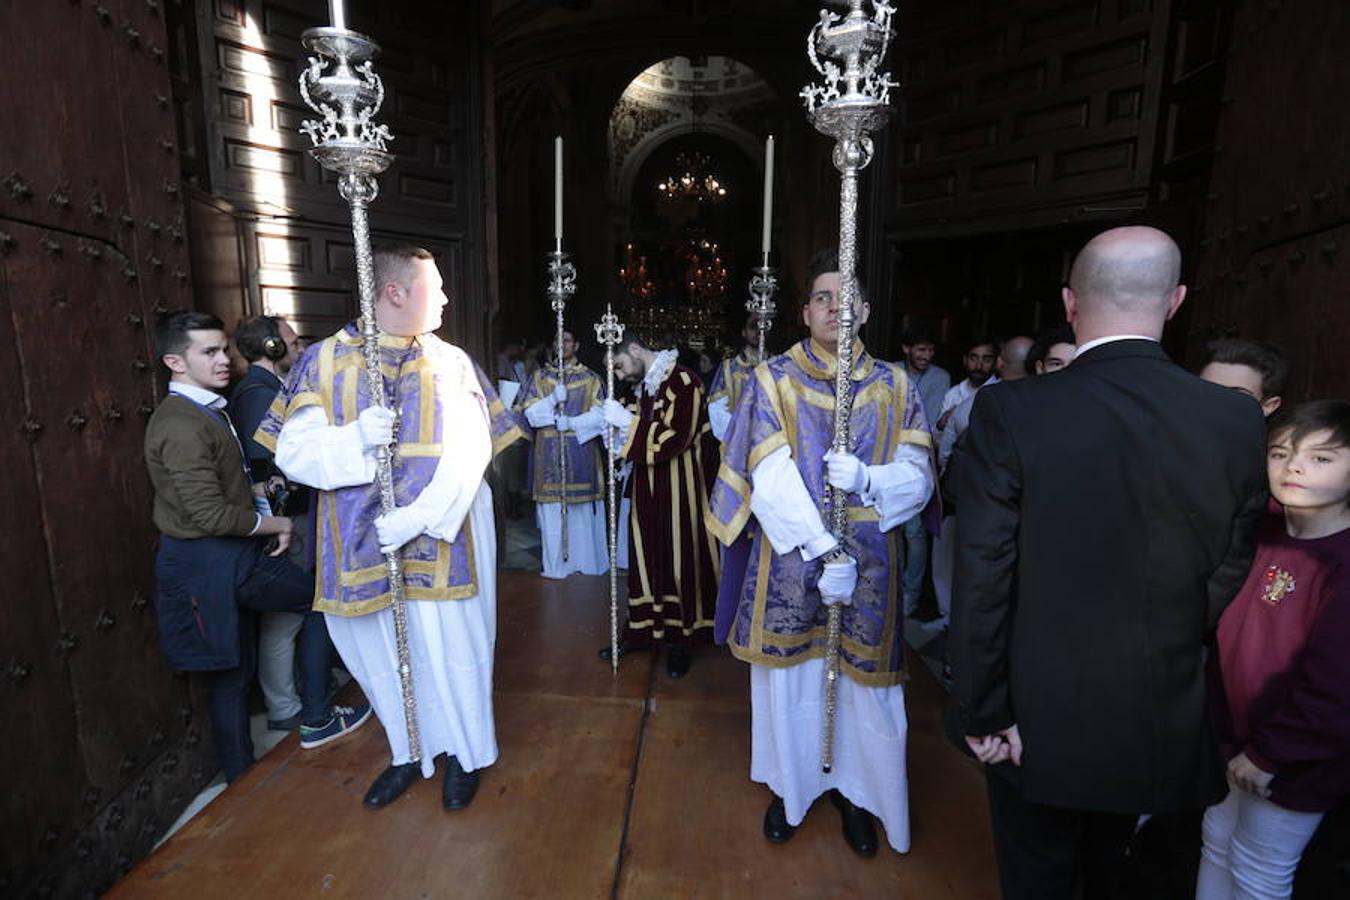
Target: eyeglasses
{"type": "Point", "coordinates": [825, 299]}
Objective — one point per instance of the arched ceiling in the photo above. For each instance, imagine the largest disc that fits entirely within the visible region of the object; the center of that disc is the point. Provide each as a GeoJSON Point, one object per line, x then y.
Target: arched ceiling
{"type": "Point", "coordinates": [680, 95]}
{"type": "Point", "coordinates": [720, 80]}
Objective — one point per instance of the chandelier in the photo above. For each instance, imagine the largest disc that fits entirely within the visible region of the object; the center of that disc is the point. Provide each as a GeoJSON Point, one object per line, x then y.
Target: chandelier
{"type": "Point", "coordinates": [634, 277]}
{"type": "Point", "coordinates": [705, 274]}
{"type": "Point", "coordinates": [689, 302]}
{"type": "Point", "coordinates": [693, 182]}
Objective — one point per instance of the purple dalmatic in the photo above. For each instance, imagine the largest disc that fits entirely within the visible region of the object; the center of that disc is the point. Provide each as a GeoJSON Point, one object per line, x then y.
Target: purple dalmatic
{"type": "Point", "coordinates": [584, 482]}
{"type": "Point", "coordinates": [350, 577]}
{"type": "Point", "coordinates": [771, 613]}
{"type": "Point", "coordinates": [732, 375]}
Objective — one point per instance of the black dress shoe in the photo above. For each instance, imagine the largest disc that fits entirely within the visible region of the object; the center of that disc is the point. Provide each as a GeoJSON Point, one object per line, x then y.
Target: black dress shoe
{"type": "Point", "coordinates": [678, 660]}
{"type": "Point", "coordinates": [859, 832]}
{"type": "Point", "coordinates": [776, 827]}
{"type": "Point", "coordinates": [460, 786]}
{"type": "Point", "coordinates": [392, 782]}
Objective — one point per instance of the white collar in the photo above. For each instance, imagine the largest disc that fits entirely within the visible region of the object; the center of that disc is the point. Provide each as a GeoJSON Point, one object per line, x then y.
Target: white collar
{"type": "Point", "coordinates": [1097, 342]}
{"type": "Point", "coordinates": [969, 389]}
{"type": "Point", "coordinates": [198, 395]}
{"type": "Point", "coordinates": [658, 371]}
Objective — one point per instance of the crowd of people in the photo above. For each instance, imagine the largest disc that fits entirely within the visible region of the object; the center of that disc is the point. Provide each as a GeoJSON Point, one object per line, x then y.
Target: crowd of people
{"type": "Point", "coordinates": [1141, 581]}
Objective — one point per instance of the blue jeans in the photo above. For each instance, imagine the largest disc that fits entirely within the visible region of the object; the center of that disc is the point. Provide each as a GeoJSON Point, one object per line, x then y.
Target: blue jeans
{"type": "Point", "coordinates": [275, 585]}
{"type": "Point", "coordinates": [914, 538]}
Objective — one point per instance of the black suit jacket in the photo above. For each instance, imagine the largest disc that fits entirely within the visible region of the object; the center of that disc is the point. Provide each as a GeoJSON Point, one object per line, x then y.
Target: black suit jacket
{"type": "Point", "coordinates": [1108, 515]}
{"type": "Point", "coordinates": [249, 402]}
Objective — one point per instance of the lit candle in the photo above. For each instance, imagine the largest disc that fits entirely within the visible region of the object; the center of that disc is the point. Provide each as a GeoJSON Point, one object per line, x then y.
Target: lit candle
{"type": "Point", "coordinates": [768, 198]}
{"type": "Point", "coordinates": [337, 14]}
{"type": "Point", "coordinates": [557, 193]}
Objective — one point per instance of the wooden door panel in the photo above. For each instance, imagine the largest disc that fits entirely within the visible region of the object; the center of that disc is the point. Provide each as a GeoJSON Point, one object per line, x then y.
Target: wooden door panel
{"type": "Point", "coordinates": [1274, 261]}
{"type": "Point", "coordinates": [62, 169]}
{"type": "Point", "coordinates": [297, 242]}
{"type": "Point", "coordinates": [1034, 110]}
{"type": "Point", "coordinates": [88, 382]}
{"type": "Point", "coordinates": [44, 770]}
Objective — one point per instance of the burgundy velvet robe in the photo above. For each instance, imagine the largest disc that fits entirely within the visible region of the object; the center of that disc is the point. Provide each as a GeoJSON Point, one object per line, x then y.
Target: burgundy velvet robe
{"type": "Point", "coordinates": [672, 559]}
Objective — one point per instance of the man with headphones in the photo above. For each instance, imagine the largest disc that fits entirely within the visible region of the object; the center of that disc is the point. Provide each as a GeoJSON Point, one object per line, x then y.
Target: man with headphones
{"type": "Point", "coordinates": [271, 346]}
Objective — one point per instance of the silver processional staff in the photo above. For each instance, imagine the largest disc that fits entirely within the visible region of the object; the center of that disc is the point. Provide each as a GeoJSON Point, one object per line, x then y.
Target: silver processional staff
{"type": "Point", "coordinates": [852, 100]}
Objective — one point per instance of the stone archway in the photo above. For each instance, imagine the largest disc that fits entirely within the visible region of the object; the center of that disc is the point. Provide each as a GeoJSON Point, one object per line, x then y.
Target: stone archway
{"type": "Point", "coordinates": [718, 95]}
{"type": "Point", "coordinates": [704, 105]}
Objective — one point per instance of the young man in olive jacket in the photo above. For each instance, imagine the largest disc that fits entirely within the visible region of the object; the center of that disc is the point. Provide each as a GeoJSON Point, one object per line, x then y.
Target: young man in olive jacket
{"type": "Point", "coordinates": [212, 568]}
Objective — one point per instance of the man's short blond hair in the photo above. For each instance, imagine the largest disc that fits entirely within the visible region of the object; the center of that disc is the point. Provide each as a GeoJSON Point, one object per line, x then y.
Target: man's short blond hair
{"type": "Point", "coordinates": [396, 263]}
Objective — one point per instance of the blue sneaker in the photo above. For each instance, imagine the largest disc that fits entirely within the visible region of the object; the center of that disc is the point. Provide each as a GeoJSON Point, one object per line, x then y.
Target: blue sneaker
{"type": "Point", "coordinates": [345, 720]}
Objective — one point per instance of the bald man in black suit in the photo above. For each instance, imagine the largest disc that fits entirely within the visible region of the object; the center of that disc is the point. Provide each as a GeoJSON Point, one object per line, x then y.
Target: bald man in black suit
{"type": "Point", "coordinates": [1107, 517]}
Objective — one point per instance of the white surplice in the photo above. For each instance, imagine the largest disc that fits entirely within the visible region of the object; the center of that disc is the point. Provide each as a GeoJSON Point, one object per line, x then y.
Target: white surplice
{"type": "Point", "coordinates": [451, 641]}
{"type": "Point", "coordinates": [587, 541]}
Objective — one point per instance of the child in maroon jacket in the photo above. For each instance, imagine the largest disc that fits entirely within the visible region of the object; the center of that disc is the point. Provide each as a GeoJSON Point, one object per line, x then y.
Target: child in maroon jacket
{"type": "Point", "coordinates": [1284, 666]}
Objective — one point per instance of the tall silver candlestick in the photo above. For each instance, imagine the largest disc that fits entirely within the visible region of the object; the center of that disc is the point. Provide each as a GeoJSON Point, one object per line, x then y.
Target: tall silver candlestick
{"type": "Point", "coordinates": [340, 85]}
{"type": "Point", "coordinates": [851, 101]}
{"type": "Point", "coordinates": [609, 331]}
{"type": "Point", "coordinates": [562, 283]}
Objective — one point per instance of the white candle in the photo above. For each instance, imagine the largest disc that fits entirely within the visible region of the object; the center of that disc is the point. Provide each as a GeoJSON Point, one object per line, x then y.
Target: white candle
{"type": "Point", "coordinates": [768, 198]}
{"type": "Point", "coordinates": [557, 192]}
{"type": "Point", "coordinates": [337, 13]}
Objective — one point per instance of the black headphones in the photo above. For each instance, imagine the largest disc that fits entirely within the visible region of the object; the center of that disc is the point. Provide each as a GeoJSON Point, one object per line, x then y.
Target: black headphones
{"type": "Point", "coordinates": [273, 347]}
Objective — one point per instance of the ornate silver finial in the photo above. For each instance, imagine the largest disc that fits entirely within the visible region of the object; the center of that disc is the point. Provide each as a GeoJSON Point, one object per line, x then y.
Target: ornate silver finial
{"type": "Point", "coordinates": [847, 51]}
{"type": "Point", "coordinates": [562, 280]}
{"type": "Point", "coordinates": [609, 330]}
{"type": "Point", "coordinates": [340, 85]}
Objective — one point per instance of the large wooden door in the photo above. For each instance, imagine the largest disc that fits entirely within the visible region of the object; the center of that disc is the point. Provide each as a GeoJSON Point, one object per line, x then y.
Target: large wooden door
{"type": "Point", "coordinates": [104, 743]}
{"type": "Point", "coordinates": [1275, 247]}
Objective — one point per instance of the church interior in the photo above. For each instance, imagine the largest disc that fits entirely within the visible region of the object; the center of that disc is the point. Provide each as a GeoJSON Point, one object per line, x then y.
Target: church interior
{"type": "Point", "coordinates": [152, 160]}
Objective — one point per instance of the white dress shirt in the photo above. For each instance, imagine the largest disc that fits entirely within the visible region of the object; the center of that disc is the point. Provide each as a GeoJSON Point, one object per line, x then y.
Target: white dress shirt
{"type": "Point", "coordinates": [1097, 342]}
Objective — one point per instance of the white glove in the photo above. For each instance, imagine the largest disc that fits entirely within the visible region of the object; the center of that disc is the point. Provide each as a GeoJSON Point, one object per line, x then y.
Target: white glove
{"type": "Point", "coordinates": [540, 413]}
{"type": "Point", "coordinates": [563, 423]}
{"type": "Point", "coordinates": [719, 417]}
{"type": "Point", "coordinates": [398, 528]}
{"type": "Point", "coordinates": [837, 581]}
{"type": "Point", "coordinates": [616, 415]}
{"type": "Point", "coordinates": [846, 472]}
{"type": "Point", "coordinates": [375, 424]}
{"type": "Point", "coordinates": [559, 394]}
